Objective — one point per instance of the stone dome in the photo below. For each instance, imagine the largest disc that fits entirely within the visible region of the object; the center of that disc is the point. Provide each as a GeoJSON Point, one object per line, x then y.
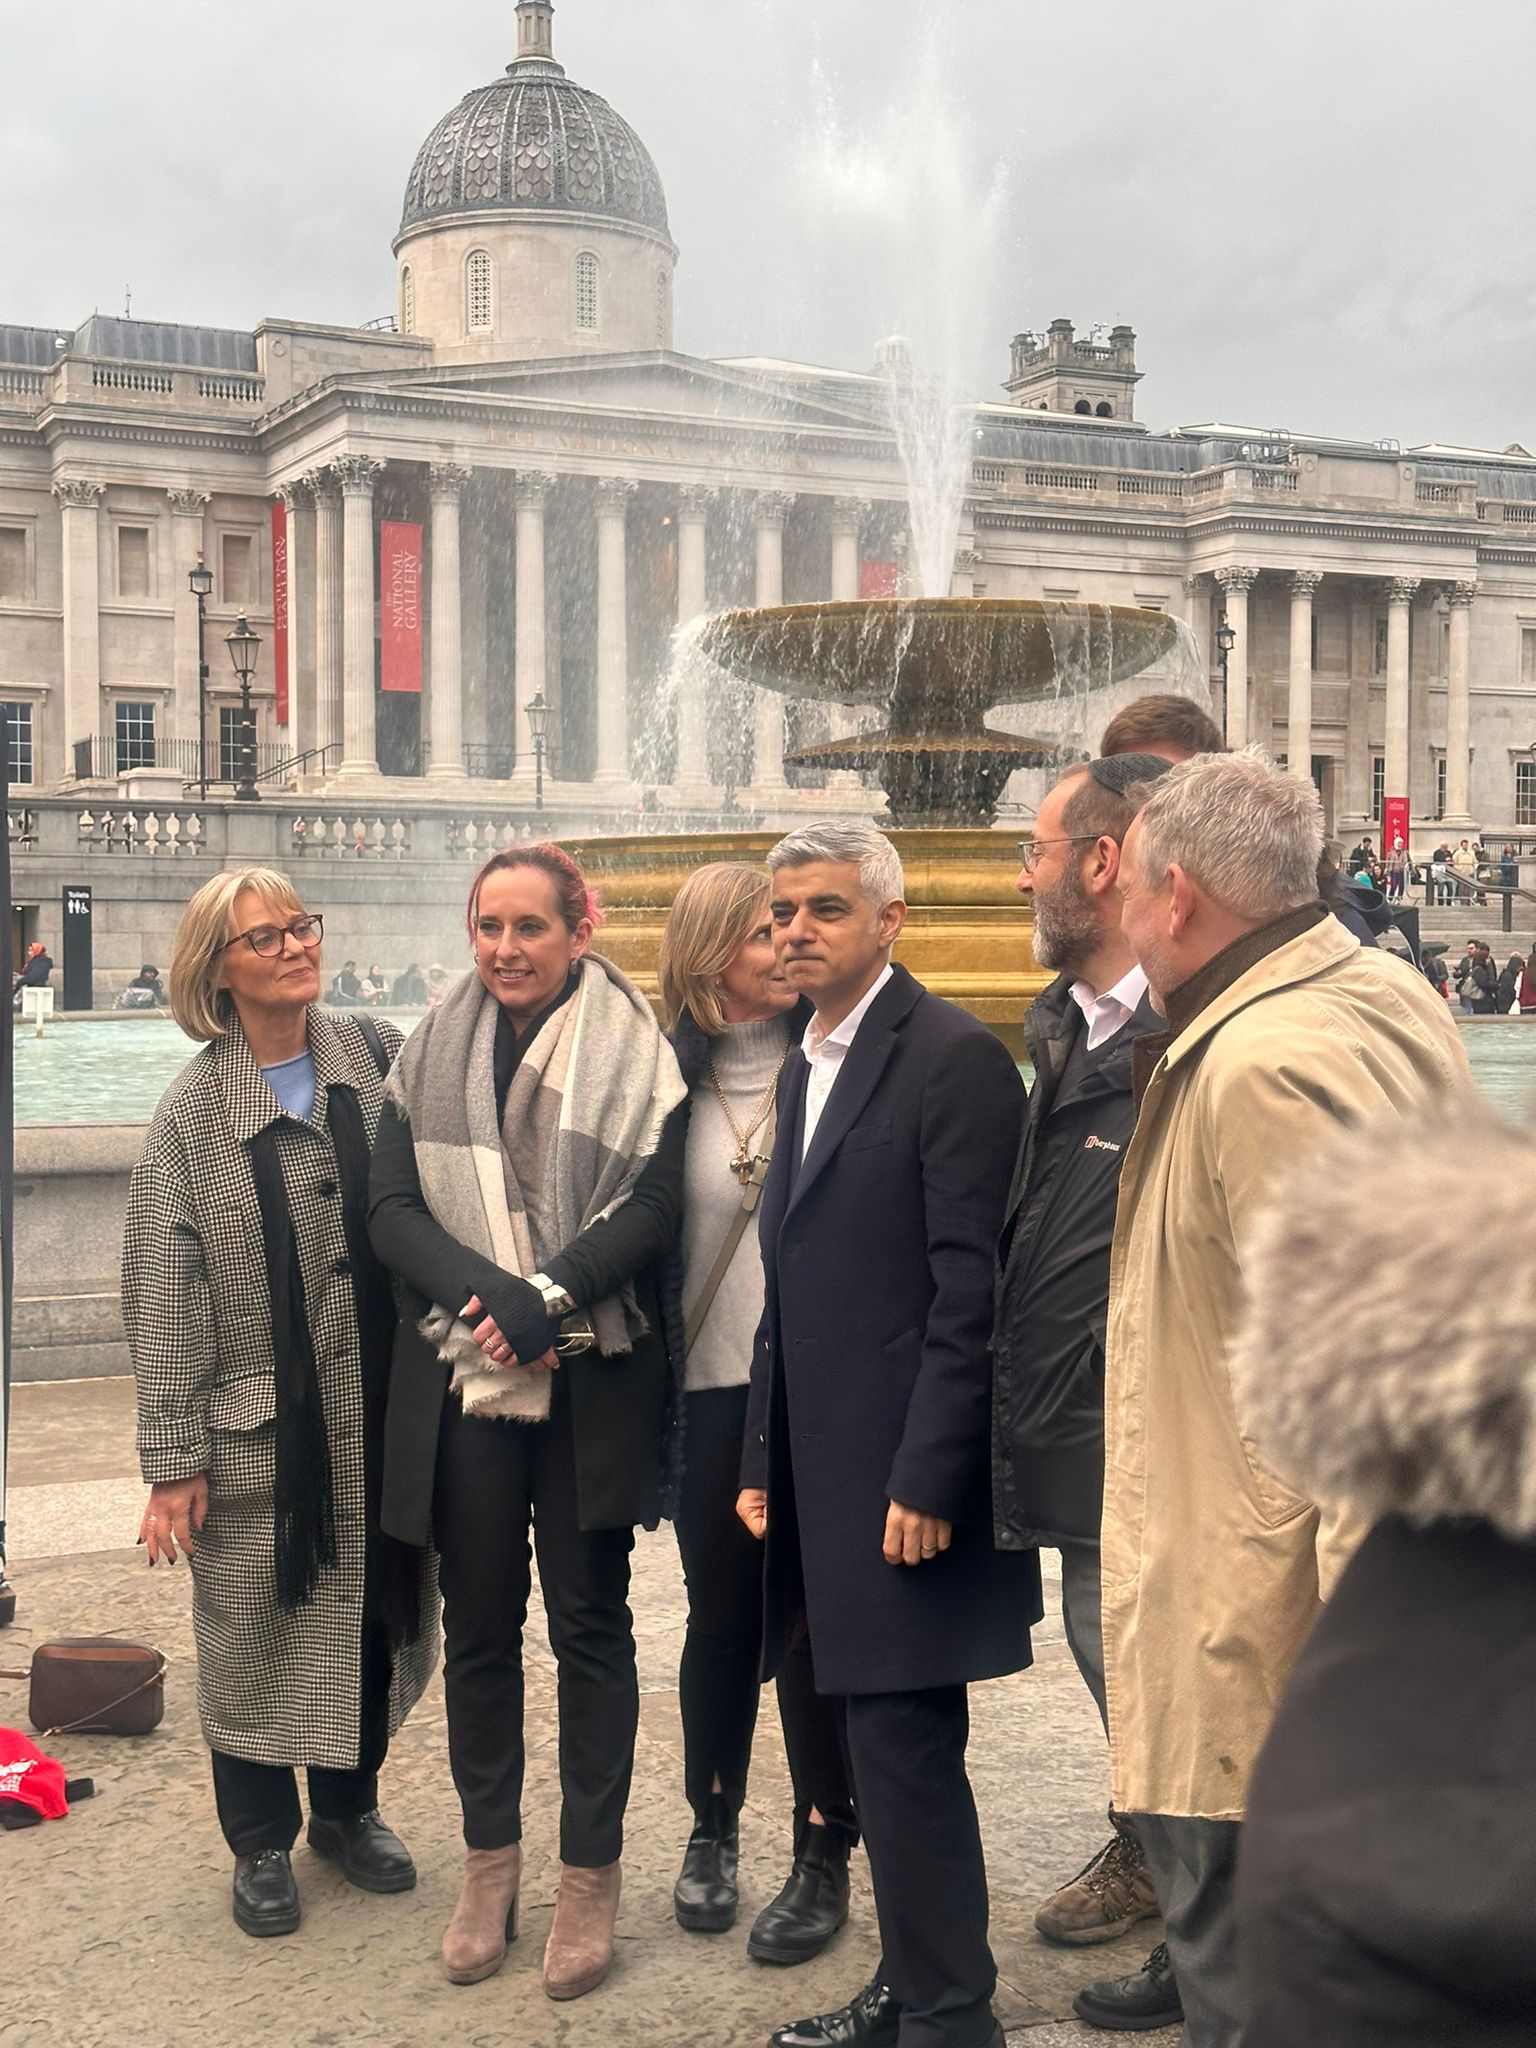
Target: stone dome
{"type": "Point", "coordinates": [534, 142]}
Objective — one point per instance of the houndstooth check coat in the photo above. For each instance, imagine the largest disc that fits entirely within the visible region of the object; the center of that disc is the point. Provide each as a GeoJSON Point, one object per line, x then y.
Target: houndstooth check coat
{"type": "Point", "coordinates": [274, 1686]}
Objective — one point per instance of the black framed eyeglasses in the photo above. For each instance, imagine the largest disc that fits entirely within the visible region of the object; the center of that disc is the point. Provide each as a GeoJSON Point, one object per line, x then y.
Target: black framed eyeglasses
{"type": "Point", "coordinates": [1029, 849]}
{"type": "Point", "coordinates": [266, 940]}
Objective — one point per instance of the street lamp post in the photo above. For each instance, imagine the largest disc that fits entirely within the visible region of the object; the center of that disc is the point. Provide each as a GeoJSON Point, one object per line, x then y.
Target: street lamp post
{"type": "Point", "coordinates": [244, 645]}
{"type": "Point", "coordinates": [1226, 640]}
{"type": "Point", "coordinates": [200, 581]}
{"type": "Point", "coordinates": [538, 723]}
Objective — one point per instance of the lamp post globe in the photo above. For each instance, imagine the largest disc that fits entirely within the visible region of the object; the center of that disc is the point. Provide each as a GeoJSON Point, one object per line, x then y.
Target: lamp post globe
{"type": "Point", "coordinates": [244, 644]}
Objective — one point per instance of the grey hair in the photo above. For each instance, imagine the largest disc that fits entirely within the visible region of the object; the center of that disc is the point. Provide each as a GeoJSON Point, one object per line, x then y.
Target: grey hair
{"type": "Point", "coordinates": [846, 839]}
{"type": "Point", "coordinates": [1246, 832]}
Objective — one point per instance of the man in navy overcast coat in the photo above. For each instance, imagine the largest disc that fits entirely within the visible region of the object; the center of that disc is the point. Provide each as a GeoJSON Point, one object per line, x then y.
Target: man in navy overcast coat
{"type": "Point", "coordinates": [867, 1437]}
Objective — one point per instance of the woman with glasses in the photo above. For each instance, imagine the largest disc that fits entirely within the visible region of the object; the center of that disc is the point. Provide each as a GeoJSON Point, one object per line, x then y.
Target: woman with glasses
{"type": "Point", "coordinates": [260, 1325]}
{"type": "Point", "coordinates": [527, 1190]}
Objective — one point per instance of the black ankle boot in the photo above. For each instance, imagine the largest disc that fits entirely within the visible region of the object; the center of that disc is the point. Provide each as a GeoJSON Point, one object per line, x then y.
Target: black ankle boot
{"type": "Point", "coordinates": [704, 1897]}
{"type": "Point", "coordinates": [800, 1922]}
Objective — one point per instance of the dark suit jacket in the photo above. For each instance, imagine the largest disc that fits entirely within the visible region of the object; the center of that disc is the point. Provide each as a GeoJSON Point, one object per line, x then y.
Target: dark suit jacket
{"type": "Point", "coordinates": [871, 1379]}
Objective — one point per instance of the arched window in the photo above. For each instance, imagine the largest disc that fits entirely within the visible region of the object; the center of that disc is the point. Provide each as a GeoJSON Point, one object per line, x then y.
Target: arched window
{"type": "Point", "coordinates": [1082, 405]}
{"type": "Point", "coordinates": [663, 310]}
{"type": "Point", "coordinates": [477, 290]}
{"type": "Point", "coordinates": [586, 293]}
{"type": "Point", "coordinates": [1104, 410]}
{"type": "Point", "coordinates": [407, 301]}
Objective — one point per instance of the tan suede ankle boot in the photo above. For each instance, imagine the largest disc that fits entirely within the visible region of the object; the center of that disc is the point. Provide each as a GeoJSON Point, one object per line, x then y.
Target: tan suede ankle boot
{"type": "Point", "coordinates": [579, 1952]}
{"type": "Point", "coordinates": [485, 1919]}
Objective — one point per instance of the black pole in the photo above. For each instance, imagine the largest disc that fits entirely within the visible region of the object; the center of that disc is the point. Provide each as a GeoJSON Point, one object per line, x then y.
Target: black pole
{"type": "Point", "coordinates": [7, 1209]}
{"type": "Point", "coordinates": [538, 774]}
{"type": "Point", "coordinates": [202, 698]}
{"type": "Point", "coordinates": [246, 791]}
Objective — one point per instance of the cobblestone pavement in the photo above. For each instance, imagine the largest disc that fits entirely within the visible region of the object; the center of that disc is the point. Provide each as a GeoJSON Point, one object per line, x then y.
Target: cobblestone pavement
{"type": "Point", "coordinates": [117, 1919]}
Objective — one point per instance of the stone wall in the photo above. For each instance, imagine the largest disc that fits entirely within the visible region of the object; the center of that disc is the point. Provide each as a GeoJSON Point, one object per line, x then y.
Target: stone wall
{"type": "Point", "coordinates": [71, 1192]}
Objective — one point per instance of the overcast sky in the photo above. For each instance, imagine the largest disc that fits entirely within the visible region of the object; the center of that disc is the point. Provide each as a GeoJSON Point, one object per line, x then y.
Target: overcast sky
{"type": "Point", "coordinates": [1317, 214]}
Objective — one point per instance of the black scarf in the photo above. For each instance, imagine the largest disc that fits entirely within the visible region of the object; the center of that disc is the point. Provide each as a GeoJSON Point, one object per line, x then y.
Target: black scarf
{"type": "Point", "coordinates": [303, 1500]}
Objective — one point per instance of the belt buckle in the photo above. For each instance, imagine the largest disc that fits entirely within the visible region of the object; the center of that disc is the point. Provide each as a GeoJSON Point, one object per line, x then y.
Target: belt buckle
{"type": "Point", "coordinates": [576, 1335]}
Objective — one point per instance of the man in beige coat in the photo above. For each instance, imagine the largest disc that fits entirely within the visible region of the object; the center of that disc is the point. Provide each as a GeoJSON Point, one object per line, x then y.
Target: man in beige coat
{"type": "Point", "coordinates": [1214, 1569]}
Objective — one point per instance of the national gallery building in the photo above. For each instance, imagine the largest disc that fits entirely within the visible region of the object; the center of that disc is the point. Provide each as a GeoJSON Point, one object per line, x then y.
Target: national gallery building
{"type": "Point", "coordinates": [512, 490]}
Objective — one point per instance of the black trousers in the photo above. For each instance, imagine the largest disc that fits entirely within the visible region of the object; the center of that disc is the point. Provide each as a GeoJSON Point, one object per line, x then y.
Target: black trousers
{"type": "Point", "coordinates": [258, 1804]}
{"type": "Point", "coordinates": [494, 1480]}
{"type": "Point", "coordinates": [907, 1754]}
{"type": "Point", "coordinates": [719, 1682]}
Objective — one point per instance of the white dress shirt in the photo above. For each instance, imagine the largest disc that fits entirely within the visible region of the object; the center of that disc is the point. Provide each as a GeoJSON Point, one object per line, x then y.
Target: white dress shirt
{"type": "Point", "coordinates": [825, 1052]}
{"type": "Point", "coordinates": [1110, 1012]}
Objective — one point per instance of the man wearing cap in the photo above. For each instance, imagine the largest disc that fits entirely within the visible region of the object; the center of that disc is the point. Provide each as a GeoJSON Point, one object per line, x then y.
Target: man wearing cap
{"type": "Point", "coordinates": [1053, 1289]}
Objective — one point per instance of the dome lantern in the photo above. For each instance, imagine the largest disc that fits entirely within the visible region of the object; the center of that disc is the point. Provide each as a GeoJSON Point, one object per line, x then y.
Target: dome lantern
{"type": "Point", "coordinates": [535, 36]}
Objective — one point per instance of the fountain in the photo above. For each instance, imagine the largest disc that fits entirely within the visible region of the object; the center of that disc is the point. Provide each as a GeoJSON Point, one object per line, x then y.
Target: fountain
{"type": "Point", "coordinates": [930, 667]}
{"type": "Point", "coordinates": [936, 665]}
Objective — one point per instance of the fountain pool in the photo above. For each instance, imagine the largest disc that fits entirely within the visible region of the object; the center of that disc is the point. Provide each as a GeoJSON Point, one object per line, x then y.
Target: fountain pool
{"type": "Point", "coordinates": [114, 1070]}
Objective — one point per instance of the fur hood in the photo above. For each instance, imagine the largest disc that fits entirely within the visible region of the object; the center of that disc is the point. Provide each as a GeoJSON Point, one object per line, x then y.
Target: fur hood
{"type": "Point", "coordinates": [1387, 1360]}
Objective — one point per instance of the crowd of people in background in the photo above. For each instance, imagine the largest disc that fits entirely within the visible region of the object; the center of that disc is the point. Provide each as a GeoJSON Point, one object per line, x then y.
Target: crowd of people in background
{"type": "Point", "coordinates": [1459, 873]}
{"type": "Point", "coordinates": [415, 989]}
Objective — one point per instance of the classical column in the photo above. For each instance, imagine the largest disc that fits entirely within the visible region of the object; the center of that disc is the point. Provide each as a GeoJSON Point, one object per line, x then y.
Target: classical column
{"type": "Point", "coordinates": [1400, 591]}
{"type": "Point", "coordinates": [78, 500]}
{"type": "Point", "coordinates": [186, 552]}
{"type": "Point", "coordinates": [295, 736]}
{"type": "Point", "coordinates": [847, 518]}
{"type": "Point", "coordinates": [693, 503]}
{"type": "Point", "coordinates": [1298, 746]}
{"type": "Point", "coordinates": [1458, 707]}
{"type": "Point", "coordinates": [613, 496]}
{"type": "Point", "coordinates": [328, 614]}
{"type": "Point", "coordinates": [773, 508]}
{"type": "Point", "coordinates": [1236, 584]}
{"type": "Point", "coordinates": [1197, 614]}
{"type": "Point", "coordinates": [531, 639]}
{"type": "Point", "coordinates": [357, 475]}
{"type": "Point", "coordinates": [445, 482]}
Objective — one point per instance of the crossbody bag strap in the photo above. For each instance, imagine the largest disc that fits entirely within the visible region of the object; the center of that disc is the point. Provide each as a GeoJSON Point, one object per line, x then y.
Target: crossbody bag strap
{"type": "Point", "coordinates": [375, 1043]}
{"type": "Point", "coordinates": [733, 1237]}
{"type": "Point", "coordinates": [96, 1713]}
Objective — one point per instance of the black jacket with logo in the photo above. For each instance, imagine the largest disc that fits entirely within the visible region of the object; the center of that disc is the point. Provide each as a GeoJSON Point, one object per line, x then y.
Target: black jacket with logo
{"type": "Point", "coordinates": [1052, 1299]}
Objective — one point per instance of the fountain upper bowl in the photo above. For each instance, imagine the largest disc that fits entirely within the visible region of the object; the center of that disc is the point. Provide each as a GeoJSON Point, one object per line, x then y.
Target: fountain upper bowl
{"type": "Point", "coordinates": [961, 653]}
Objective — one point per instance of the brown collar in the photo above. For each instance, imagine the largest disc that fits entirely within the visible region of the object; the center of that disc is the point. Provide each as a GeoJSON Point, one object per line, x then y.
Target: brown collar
{"type": "Point", "coordinates": [1186, 1002]}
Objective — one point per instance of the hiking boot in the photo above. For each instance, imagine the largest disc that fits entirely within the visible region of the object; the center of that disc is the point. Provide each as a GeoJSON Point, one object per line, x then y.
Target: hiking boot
{"type": "Point", "coordinates": [1106, 1898]}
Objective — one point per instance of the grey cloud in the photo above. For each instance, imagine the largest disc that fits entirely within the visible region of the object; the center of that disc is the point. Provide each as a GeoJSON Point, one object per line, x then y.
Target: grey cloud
{"type": "Point", "coordinates": [1314, 214]}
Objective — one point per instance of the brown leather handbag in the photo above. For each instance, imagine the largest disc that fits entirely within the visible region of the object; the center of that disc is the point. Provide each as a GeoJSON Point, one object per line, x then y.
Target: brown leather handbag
{"type": "Point", "coordinates": [95, 1685]}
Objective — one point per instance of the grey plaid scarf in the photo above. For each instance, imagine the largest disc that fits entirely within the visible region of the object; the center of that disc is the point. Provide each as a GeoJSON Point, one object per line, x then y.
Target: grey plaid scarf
{"type": "Point", "coordinates": [584, 1113]}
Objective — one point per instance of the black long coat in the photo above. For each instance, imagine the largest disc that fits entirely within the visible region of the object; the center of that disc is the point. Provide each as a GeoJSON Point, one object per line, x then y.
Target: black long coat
{"type": "Point", "coordinates": [1387, 1882]}
{"type": "Point", "coordinates": [622, 1406]}
{"type": "Point", "coordinates": [871, 1373]}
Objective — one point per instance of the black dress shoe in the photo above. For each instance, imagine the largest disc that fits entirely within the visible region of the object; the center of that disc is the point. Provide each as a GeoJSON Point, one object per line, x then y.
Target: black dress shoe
{"type": "Point", "coordinates": [800, 1922]}
{"type": "Point", "coordinates": [266, 1897]}
{"type": "Point", "coordinates": [1148, 1998]}
{"type": "Point", "coordinates": [872, 2020]}
{"type": "Point", "coordinates": [371, 1856]}
{"type": "Point", "coordinates": [704, 1897]}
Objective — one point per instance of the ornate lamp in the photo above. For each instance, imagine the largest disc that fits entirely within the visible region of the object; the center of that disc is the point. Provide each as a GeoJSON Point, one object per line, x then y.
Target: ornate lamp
{"type": "Point", "coordinates": [244, 645]}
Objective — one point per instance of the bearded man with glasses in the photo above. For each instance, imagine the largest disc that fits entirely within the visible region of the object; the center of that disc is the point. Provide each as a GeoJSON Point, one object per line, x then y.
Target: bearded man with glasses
{"type": "Point", "coordinates": [261, 1325]}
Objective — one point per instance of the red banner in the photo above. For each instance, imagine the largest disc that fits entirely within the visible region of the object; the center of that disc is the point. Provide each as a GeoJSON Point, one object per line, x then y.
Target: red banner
{"type": "Point", "coordinates": [879, 579]}
{"type": "Point", "coordinates": [280, 608]}
{"type": "Point", "coordinates": [1394, 823]}
{"type": "Point", "coordinates": [400, 606]}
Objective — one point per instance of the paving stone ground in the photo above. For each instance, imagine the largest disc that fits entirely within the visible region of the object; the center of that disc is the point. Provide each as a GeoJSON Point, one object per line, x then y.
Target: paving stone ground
{"type": "Point", "coordinates": [116, 1921]}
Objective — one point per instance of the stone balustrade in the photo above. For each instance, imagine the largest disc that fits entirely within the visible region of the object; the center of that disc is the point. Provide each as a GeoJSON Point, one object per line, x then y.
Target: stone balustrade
{"type": "Point", "coordinates": [75, 380]}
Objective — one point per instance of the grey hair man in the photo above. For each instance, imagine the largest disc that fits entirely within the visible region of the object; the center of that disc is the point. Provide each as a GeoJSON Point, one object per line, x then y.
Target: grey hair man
{"type": "Point", "coordinates": [1277, 1027]}
{"type": "Point", "coordinates": [864, 1465]}
{"type": "Point", "coordinates": [1053, 1289]}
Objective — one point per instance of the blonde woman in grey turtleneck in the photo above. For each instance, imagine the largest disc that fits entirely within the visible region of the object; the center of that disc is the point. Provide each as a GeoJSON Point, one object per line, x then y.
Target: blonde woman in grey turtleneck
{"type": "Point", "coordinates": [734, 1021]}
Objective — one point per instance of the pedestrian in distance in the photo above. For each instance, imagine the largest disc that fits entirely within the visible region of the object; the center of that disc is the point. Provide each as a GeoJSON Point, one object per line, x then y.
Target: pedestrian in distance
{"type": "Point", "coordinates": [1278, 1027]}
{"type": "Point", "coordinates": [865, 1466]}
{"type": "Point", "coordinates": [260, 1326]}
{"type": "Point", "coordinates": [735, 1022]}
{"type": "Point", "coordinates": [345, 989]}
{"type": "Point", "coordinates": [1527, 992]}
{"type": "Point", "coordinates": [526, 1193]}
{"type": "Point", "coordinates": [1053, 1291]}
{"type": "Point", "coordinates": [1507, 990]}
{"type": "Point", "coordinates": [1389, 1866]}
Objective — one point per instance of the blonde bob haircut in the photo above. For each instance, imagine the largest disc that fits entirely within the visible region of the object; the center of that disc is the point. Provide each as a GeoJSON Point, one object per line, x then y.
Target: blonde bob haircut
{"type": "Point", "coordinates": [713, 915]}
{"type": "Point", "coordinates": [200, 1006]}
